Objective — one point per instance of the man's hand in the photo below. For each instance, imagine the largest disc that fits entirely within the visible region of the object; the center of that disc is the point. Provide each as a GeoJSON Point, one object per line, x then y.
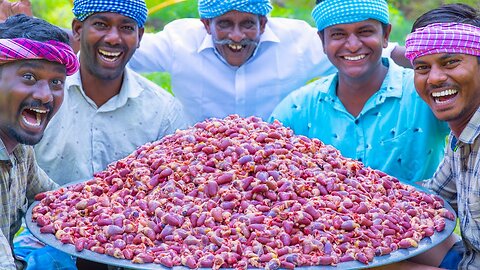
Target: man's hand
{"type": "Point", "coordinates": [8, 8]}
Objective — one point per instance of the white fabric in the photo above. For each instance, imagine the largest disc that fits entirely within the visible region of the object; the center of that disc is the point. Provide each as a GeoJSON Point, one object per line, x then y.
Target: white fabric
{"type": "Point", "coordinates": [290, 54]}
{"type": "Point", "coordinates": [82, 139]}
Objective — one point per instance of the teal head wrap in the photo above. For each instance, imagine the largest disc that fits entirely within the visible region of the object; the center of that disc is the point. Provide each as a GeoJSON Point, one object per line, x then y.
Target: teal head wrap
{"type": "Point", "coordinates": [213, 8]}
{"type": "Point", "coordinates": [135, 9]}
{"type": "Point", "coordinates": [333, 12]}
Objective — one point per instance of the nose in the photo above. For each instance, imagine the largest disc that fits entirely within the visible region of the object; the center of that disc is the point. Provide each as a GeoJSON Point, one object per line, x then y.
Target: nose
{"type": "Point", "coordinates": [43, 92]}
{"type": "Point", "coordinates": [236, 34]}
{"type": "Point", "coordinates": [353, 43]}
{"type": "Point", "coordinates": [113, 36]}
{"type": "Point", "coordinates": [436, 76]}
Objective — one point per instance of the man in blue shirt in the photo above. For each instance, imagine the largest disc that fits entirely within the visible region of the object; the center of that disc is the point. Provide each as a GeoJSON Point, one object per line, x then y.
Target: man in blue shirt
{"type": "Point", "coordinates": [369, 109]}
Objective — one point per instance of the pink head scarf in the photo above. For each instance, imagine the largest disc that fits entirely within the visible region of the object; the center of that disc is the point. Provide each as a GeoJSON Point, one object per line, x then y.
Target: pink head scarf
{"type": "Point", "coordinates": [23, 49]}
{"type": "Point", "coordinates": [443, 38]}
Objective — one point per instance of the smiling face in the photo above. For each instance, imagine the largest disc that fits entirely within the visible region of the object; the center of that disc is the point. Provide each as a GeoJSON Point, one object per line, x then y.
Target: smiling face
{"type": "Point", "coordinates": [31, 91]}
{"type": "Point", "coordinates": [236, 35]}
{"type": "Point", "coordinates": [107, 42]}
{"type": "Point", "coordinates": [450, 85]}
{"type": "Point", "coordinates": [356, 48]}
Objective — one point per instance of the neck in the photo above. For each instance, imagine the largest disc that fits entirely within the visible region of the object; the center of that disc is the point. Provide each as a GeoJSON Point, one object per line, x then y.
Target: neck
{"type": "Point", "coordinates": [355, 92]}
{"type": "Point", "coordinates": [100, 90]}
{"type": "Point", "coordinates": [457, 126]}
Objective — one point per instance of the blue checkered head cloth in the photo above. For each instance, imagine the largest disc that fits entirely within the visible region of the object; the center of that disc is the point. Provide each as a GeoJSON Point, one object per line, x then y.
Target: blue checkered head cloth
{"type": "Point", "coordinates": [333, 12]}
{"type": "Point", "coordinates": [214, 8]}
{"type": "Point", "coordinates": [135, 9]}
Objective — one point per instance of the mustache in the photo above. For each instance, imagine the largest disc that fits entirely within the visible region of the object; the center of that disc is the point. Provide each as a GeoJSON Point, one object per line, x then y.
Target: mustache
{"type": "Point", "coordinates": [432, 87]}
{"type": "Point", "coordinates": [243, 42]}
{"type": "Point", "coordinates": [37, 104]}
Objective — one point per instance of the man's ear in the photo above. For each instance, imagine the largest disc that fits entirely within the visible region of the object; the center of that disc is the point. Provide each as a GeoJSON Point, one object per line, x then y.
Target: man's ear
{"type": "Point", "coordinates": [207, 23]}
{"type": "Point", "coordinates": [386, 35]}
{"type": "Point", "coordinates": [76, 29]}
{"type": "Point", "coordinates": [263, 23]}
{"type": "Point", "coordinates": [140, 35]}
{"type": "Point", "coordinates": [322, 38]}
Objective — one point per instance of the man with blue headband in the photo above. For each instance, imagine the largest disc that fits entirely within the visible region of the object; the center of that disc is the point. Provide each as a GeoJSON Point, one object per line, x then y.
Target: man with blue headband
{"type": "Point", "coordinates": [369, 109]}
{"type": "Point", "coordinates": [234, 59]}
{"type": "Point", "coordinates": [108, 110]}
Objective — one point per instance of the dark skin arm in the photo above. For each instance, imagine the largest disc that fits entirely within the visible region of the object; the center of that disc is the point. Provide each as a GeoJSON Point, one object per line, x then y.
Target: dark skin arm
{"type": "Point", "coordinates": [398, 56]}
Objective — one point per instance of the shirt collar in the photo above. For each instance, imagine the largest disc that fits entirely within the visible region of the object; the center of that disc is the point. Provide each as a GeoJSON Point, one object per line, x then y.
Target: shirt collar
{"type": "Point", "coordinates": [3, 152]}
{"type": "Point", "coordinates": [393, 83]}
{"type": "Point", "coordinates": [472, 130]}
{"type": "Point", "coordinates": [130, 89]}
{"type": "Point", "coordinates": [18, 152]}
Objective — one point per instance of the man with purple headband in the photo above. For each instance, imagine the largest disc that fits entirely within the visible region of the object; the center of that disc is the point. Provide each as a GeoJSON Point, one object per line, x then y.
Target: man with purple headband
{"type": "Point", "coordinates": [444, 48]}
{"type": "Point", "coordinates": [35, 59]}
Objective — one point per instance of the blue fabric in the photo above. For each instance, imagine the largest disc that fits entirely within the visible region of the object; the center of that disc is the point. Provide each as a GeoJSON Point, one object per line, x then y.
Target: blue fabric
{"type": "Point", "coordinates": [38, 256]}
{"type": "Point", "coordinates": [333, 12]}
{"type": "Point", "coordinates": [453, 257]}
{"type": "Point", "coordinates": [395, 132]}
{"type": "Point", "coordinates": [49, 258]}
{"type": "Point", "coordinates": [135, 9]}
{"type": "Point", "coordinates": [214, 8]}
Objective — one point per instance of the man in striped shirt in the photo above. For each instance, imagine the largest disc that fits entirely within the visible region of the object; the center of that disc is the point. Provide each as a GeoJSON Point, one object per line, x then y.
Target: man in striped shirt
{"type": "Point", "coordinates": [444, 48]}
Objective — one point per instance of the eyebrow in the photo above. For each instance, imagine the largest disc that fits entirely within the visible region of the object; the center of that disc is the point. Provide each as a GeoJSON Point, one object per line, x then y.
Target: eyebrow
{"type": "Point", "coordinates": [37, 64]}
{"type": "Point", "coordinates": [443, 57]}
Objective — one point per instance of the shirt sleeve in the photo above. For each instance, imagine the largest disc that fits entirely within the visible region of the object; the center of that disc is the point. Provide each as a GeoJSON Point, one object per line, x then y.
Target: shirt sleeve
{"type": "Point", "coordinates": [6, 257]}
{"type": "Point", "coordinates": [153, 55]}
{"type": "Point", "coordinates": [443, 182]}
{"type": "Point", "coordinates": [388, 51]}
{"type": "Point", "coordinates": [38, 180]}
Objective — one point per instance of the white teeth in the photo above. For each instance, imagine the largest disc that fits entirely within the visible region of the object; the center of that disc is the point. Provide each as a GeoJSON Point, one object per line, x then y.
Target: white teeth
{"type": "Point", "coordinates": [235, 46]}
{"type": "Point", "coordinates": [39, 110]}
{"type": "Point", "coordinates": [444, 93]}
{"type": "Point", "coordinates": [355, 58]}
{"type": "Point", "coordinates": [37, 123]}
{"type": "Point", "coordinates": [109, 54]}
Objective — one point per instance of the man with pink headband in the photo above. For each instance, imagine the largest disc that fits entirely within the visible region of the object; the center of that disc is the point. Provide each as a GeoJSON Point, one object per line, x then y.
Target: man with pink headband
{"type": "Point", "coordinates": [444, 48]}
{"type": "Point", "coordinates": [35, 59]}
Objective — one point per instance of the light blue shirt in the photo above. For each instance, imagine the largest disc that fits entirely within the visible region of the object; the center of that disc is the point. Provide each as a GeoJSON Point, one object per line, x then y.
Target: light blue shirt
{"type": "Point", "coordinates": [288, 56]}
{"type": "Point", "coordinates": [82, 139]}
{"type": "Point", "coordinates": [395, 132]}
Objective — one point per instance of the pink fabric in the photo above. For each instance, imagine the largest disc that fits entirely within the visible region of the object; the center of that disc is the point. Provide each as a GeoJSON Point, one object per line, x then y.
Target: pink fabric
{"type": "Point", "coordinates": [443, 38]}
{"type": "Point", "coordinates": [54, 51]}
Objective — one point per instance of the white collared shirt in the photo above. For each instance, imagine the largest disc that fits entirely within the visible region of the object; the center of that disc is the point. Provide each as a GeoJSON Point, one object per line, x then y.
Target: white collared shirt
{"type": "Point", "coordinates": [82, 138]}
{"type": "Point", "coordinates": [289, 55]}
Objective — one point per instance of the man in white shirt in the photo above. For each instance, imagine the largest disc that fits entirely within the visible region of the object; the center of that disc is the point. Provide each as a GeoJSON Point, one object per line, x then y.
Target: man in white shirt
{"type": "Point", "coordinates": [108, 110]}
{"type": "Point", "coordinates": [256, 61]}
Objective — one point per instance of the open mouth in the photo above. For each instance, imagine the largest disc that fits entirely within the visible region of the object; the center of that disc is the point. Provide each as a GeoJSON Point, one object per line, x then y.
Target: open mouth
{"type": "Point", "coordinates": [355, 58]}
{"type": "Point", "coordinates": [33, 117]}
{"type": "Point", "coordinates": [235, 47]}
{"type": "Point", "coordinates": [109, 56]}
{"type": "Point", "coordinates": [444, 96]}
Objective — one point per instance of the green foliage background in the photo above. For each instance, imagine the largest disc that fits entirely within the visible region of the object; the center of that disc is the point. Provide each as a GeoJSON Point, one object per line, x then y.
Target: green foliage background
{"type": "Point", "coordinates": [402, 15]}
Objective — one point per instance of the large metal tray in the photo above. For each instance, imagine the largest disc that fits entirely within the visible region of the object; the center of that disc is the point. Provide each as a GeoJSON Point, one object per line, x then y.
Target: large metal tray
{"type": "Point", "coordinates": [396, 256]}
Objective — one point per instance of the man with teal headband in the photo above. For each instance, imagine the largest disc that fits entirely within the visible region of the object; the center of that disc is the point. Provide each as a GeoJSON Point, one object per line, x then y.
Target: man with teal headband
{"type": "Point", "coordinates": [369, 109]}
